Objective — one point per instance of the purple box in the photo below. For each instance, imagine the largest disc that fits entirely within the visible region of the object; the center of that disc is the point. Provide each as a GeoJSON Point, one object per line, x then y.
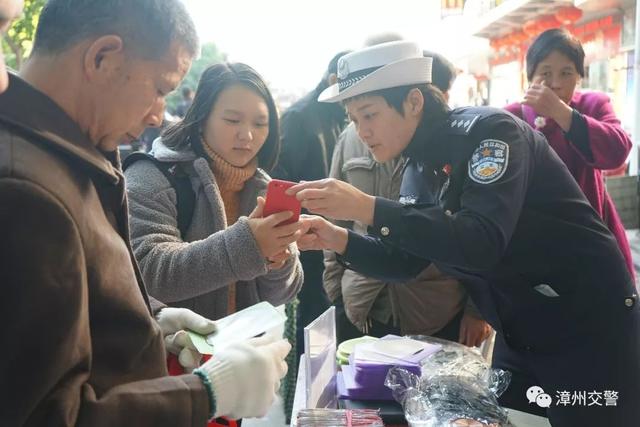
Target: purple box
{"type": "Point", "coordinates": [372, 389]}
{"type": "Point", "coordinates": [363, 378]}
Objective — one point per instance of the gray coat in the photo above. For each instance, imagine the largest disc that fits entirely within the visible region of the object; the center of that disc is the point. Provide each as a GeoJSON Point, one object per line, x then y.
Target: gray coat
{"type": "Point", "coordinates": [195, 273]}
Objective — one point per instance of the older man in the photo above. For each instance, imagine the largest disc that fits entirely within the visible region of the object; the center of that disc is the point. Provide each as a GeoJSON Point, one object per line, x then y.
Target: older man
{"type": "Point", "coordinates": [83, 347]}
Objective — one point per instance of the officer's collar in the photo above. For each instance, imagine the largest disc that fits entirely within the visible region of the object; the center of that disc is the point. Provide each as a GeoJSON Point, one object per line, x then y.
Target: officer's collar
{"type": "Point", "coordinates": [427, 128]}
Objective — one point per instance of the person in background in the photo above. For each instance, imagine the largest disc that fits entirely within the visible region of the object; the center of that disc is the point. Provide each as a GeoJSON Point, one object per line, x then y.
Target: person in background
{"type": "Point", "coordinates": [184, 104]}
{"type": "Point", "coordinates": [85, 347]}
{"type": "Point", "coordinates": [581, 126]}
{"type": "Point", "coordinates": [432, 304]}
{"type": "Point", "coordinates": [228, 257]}
{"type": "Point", "coordinates": [310, 130]}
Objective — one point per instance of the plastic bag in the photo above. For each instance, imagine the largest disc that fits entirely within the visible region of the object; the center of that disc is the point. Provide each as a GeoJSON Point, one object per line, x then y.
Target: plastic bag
{"type": "Point", "coordinates": [460, 361]}
{"type": "Point", "coordinates": [457, 388]}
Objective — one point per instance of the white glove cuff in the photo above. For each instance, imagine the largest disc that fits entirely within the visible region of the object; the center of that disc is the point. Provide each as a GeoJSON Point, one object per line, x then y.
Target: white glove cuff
{"type": "Point", "coordinates": [225, 386]}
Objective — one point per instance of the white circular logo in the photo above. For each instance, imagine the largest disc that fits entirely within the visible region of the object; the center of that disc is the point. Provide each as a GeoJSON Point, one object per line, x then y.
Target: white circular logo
{"type": "Point", "coordinates": [533, 392]}
{"type": "Point", "coordinates": [343, 69]}
{"type": "Point", "coordinates": [543, 400]}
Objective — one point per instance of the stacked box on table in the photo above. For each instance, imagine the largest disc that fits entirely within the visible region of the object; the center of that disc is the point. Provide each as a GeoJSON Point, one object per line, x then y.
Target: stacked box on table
{"type": "Point", "coordinates": [363, 378]}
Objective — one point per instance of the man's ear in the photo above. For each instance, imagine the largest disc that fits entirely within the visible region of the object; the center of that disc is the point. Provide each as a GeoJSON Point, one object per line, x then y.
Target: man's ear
{"type": "Point", "coordinates": [415, 102]}
{"type": "Point", "coordinates": [103, 57]}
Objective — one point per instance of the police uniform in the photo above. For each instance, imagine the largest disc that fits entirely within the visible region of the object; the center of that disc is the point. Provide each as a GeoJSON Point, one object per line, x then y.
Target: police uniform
{"type": "Point", "coordinates": [488, 201]}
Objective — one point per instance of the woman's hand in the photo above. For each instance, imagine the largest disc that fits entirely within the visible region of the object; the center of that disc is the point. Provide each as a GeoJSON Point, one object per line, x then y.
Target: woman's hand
{"type": "Point", "coordinates": [546, 103]}
{"type": "Point", "coordinates": [335, 199]}
{"type": "Point", "coordinates": [273, 239]}
{"type": "Point", "coordinates": [321, 234]}
{"type": "Point", "coordinates": [278, 261]}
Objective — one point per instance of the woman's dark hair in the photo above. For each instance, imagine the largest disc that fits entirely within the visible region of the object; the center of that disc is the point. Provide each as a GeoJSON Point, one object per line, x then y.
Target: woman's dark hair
{"type": "Point", "coordinates": [443, 72]}
{"type": "Point", "coordinates": [555, 40]}
{"type": "Point", "coordinates": [187, 133]}
{"type": "Point", "coordinates": [435, 106]}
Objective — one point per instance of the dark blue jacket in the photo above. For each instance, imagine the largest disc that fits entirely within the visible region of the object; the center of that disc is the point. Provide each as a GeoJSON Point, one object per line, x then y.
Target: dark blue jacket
{"type": "Point", "coordinates": [488, 201]}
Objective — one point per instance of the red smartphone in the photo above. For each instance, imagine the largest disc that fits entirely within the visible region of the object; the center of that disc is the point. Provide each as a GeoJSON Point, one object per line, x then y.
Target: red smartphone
{"type": "Point", "coordinates": [278, 201]}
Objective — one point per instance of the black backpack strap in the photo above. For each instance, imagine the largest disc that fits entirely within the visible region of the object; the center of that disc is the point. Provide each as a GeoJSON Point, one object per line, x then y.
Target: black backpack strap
{"type": "Point", "coordinates": [186, 198]}
{"type": "Point", "coordinates": [179, 181]}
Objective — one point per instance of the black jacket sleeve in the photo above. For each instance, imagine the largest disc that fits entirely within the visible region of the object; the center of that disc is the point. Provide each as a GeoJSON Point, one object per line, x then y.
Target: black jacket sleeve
{"type": "Point", "coordinates": [372, 257]}
{"type": "Point", "coordinates": [579, 134]}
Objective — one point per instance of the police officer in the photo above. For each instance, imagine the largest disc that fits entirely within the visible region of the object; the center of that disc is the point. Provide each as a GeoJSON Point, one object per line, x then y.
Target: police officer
{"type": "Point", "coordinates": [488, 201]}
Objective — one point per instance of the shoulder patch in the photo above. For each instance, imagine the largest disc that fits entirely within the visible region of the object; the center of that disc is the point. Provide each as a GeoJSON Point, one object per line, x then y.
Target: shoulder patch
{"type": "Point", "coordinates": [461, 124]}
{"type": "Point", "coordinates": [489, 161]}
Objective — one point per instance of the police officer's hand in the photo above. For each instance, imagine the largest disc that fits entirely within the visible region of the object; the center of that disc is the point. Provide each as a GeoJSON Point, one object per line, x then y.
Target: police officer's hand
{"type": "Point", "coordinates": [272, 239]}
{"type": "Point", "coordinates": [321, 234]}
{"type": "Point", "coordinates": [547, 103]}
{"type": "Point", "coordinates": [335, 199]}
{"type": "Point", "coordinates": [473, 331]}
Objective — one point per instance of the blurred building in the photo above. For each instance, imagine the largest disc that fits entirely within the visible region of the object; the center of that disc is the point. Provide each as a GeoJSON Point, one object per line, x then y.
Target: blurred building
{"type": "Point", "coordinates": [606, 29]}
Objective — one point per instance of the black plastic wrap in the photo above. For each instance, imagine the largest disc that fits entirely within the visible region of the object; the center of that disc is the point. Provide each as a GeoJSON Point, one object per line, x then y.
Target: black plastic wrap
{"type": "Point", "coordinates": [457, 388]}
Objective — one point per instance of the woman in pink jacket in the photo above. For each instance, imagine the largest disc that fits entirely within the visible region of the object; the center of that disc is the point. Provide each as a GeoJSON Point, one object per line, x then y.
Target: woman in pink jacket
{"type": "Point", "coordinates": [580, 126]}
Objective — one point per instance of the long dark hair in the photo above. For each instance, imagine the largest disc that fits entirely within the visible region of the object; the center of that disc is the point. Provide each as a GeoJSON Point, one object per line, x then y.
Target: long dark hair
{"type": "Point", "coordinates": [186, 134]}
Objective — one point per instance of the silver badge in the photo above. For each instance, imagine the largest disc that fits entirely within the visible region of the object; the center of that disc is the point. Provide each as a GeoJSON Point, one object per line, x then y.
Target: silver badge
{"type": "Point", "coordinates": [343, 69]}
{"type": "Point", "coordinates": [408, 200]}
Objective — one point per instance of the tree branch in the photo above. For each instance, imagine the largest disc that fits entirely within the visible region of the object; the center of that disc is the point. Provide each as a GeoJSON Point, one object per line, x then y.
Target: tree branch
{"type": "Point", "coordinates": [17, 51]}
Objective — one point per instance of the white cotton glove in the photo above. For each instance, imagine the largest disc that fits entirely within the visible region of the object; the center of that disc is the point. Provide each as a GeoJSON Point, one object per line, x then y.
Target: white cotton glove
{"type": "Point", "coordinates": [173, 322]}
{"type": "Point", "coordinates": [246, 376]}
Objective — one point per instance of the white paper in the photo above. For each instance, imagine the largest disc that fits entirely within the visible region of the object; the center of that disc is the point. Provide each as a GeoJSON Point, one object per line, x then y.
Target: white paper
{"type": "Point", "coordinates": [398, 349]}
{"type": "Point", "coordinates": [261, 318]}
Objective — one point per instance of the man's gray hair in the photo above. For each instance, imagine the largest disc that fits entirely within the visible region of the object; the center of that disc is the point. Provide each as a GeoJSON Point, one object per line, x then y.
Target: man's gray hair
{"type": "Point", "coordinates": [147, 27]}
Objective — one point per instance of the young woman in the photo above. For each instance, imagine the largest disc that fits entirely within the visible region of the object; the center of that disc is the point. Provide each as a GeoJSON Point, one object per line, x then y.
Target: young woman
{"type": "Point", "coordinates": [227, 257]}
{"type": "Point", "coordinates": [581, 127]}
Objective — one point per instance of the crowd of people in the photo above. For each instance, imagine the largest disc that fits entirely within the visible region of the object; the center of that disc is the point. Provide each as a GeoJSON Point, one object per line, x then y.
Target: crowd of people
{"type": "Point", "coordinates": [419, 219]}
